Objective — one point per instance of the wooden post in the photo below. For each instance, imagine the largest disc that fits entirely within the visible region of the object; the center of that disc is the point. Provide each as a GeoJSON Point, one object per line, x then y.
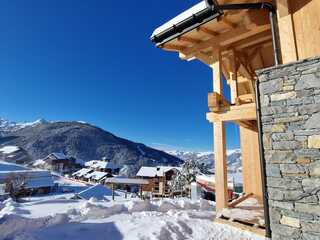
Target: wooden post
{"type": "Point", "coordinates": [289, 50]}
{"type": "Point", "coordinates": [112, 191]}
{"type": "Point", "coordinates": [233, 77]}
{"type": "Point", "coordinates": [221, 179]}
{"type": "Point", "coordinates": [141, 191]}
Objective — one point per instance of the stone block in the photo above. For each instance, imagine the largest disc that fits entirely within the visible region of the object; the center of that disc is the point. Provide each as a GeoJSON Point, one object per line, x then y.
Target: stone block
{"type": "Point", "coordinates": [286, 145]}
{"type": "Point", "coordinates": [271, 86]}
{"type": "Point", "coordinates": [313, 227]}
{"type": "Point", "coordinates": [314, 141]}
{"type": "Point", "coordinates": [283, 96]}
{"type": "Point", "coordinates": [308, 81]}
{"type": "Point", "coordinates": [308, 208]}
{"type": "Point", "coordinates": [292, 168]}
{"type": "Point", "coordinates": [314, 169]}
{"type": "Point", "coordinates": [291, 222]}
{"type": "Point", "coordinates": [288, 136]}
{"type": "Point", "coordinates": [313, 122]}
{"type": "Point", "coordinates": [309, 184]}
{"type": "Point", "coordinates": [278, 128]}
{"type": "Point", "coordinates": [281, 157]}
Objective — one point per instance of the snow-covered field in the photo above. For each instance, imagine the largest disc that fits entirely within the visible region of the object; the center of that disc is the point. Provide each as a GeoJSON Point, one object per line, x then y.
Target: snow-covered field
{"type": "Point", "coordinates": [57, 216]}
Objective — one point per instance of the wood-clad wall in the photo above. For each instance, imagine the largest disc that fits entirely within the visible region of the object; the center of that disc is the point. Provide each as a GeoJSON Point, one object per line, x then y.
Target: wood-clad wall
{"type": "Point", "coordinates": [299, 29]}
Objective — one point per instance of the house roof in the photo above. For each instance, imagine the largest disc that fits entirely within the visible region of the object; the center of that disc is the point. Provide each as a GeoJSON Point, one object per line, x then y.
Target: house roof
{"type": "Point", "coordinates": [122, 180]}
{"type": "Point", "coordinates": [33, 178]}
{"type": "Point", "coordinates": [100, 164]}
{"type": "Point", "coordinates": [98, 191]}
{"type": "Point", "coordinates": [82, 172]}
{"type": "Point", "coordinates": [58, 156]}
{"type": "Point", "coordinates": [155, 171]}
{"type": "Point", "coordinates": [96, 175]}
{"type": "Point", "coordinates": [186, 21]}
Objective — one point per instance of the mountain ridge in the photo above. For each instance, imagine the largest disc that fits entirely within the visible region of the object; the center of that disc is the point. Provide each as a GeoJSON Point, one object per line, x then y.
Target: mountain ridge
{"type": "Point", "coordinates": [81, 140]}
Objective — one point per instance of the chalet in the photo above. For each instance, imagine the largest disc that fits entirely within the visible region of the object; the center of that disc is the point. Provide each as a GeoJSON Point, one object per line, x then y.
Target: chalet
{"type": "Point", "coordinates": [28, 181]}
{"type": "Point", "coordinates": [245, 42]}
{"type": "Point", "coordinates": [103, 166]}
{"type": "Point", "coordinates": [158, 179]}
{"type": "Point", "coordinates": [60, 163]}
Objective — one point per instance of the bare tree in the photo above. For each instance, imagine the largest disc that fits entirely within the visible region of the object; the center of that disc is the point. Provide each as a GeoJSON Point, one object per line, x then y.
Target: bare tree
{"type": "Point", "coordinates": [15, 184]}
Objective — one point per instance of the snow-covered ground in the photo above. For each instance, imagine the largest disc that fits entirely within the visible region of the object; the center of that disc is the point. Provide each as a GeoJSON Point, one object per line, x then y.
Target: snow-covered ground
{"type": "Point", "coordinates": [57, 216]}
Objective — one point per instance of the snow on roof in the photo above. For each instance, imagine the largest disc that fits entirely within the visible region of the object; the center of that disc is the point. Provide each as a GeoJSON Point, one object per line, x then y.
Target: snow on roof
{"type": "Point", "coordinates": [96, 175]}
{"type": "Point", "coordinates": [155, 171]}
{"type": "Point", "coordinates": [181, 17]}
{"type": "Point", "coordinates": [34, 178]}
{"type": "Point", "coordinates": [38, 162]}
{"type": "Point", "coordinates": [82, 172]}
{"type": "Point", "coordinates": [122, 180]}
{"type": "Point", "coordinates": [40, 182]}
{"type": "Point", "coordinates": [100, 164]}
{"type": "Point", "coordinates": [59, 156]}
{"type": "Point", "coordinates": [98, 191]}
{"type": "Point", "coordinates": [9, 149]}
{"type": "Point", "coordinates": [6, 166]}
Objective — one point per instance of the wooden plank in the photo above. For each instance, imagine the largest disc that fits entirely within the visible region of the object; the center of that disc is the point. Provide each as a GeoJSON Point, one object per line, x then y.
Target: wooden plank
{"type": "Point", "coordinates": [234, 114]}
{"type": "Point", "coordinates": [252, 180]}
{"type": "Point", "coordinates": [233, 74]}
{"type": "Point", "coordinates": [226, 38]}
{"type": "Point", "coordinates": [243, 227]}
{"type": "Point", "coordinates": [221, 179]}
{"type": "Point", "coordinates": [306, 19]}
{"type": "Point", "coordinates": [240, 200]}
{"type": "Point", "coordinates": [286, 29]}
{"type": "Point", "coordinates": [189, 40]}
{"type": "Point", "coordinates": [216, 101]}
{"type": "Point", "coordinates": [207, 31]}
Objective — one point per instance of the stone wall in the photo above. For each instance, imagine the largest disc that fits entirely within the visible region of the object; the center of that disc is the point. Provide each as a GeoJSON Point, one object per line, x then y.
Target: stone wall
{"type": "Point", "coordinates": [290, 108]}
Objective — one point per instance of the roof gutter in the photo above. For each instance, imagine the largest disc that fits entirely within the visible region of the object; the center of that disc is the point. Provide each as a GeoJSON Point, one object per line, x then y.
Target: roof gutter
{"type": "Point", "coordinates": [209, 13]}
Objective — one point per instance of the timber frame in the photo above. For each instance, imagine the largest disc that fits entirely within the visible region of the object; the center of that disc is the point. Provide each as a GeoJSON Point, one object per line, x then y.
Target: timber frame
{"type": "Point", "coordinates": [234, 45]}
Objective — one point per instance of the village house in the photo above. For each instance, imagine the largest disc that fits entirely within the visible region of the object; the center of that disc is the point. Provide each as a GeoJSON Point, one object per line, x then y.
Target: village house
{"type": "Point", "coordinates": [27, 182]}
{"type": "Point", "coordinates": [158, 179]}
{"type": "Point", "coordinates": [60, 163]}
{"type": "Point", "coordinates": [96, 171]}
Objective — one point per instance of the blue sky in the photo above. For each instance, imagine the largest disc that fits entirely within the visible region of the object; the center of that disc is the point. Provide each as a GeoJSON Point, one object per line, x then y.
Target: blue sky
{"type": "Point", "coordinates": [93, 61]}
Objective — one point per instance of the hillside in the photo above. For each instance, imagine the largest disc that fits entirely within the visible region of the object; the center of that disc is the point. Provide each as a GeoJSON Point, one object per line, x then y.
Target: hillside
{"type": "Point", "coordinates": [81, 140]}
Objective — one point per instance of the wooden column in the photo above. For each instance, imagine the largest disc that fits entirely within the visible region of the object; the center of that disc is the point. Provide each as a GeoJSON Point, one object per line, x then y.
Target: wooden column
{"type": "Point", "coordinates": [287, 36]}
{"type": "Point", "coordinates": [251, 169]}
{"type": "Point", "coordinates": [233, 77]}
{"type": "Point", "coordinates": [221, 179]}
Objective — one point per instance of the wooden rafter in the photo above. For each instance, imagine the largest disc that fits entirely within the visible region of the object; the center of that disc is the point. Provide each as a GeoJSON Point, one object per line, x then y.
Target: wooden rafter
{"type": "Point", "coordinates": [189, 40]}
{"type": "Point", "coordinates": [207, 31]}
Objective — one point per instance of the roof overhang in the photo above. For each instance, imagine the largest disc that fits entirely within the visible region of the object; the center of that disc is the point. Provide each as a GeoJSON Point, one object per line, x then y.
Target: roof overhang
{"type": "Point", "coordinates": [194, 17]}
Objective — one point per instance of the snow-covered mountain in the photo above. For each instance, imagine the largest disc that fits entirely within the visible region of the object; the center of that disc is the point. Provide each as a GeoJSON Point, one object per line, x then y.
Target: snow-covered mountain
{"type": "Point", "coordinates": [8, 126]}
{"type": "Point", "coordinates": [207, 158]}
{"type": "Point", "coordinates": [27, 142]}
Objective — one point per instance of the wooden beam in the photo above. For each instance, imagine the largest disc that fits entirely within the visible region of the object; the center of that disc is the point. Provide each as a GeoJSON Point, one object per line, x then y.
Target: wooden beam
{"type": "Point", "coordinates": [225, 39]}
{"type": "Point", "coordinates": [240, 200]}
{"type": "Point", "coordinates": [288, 44]}
{"type": "Point", "coordinates": [233, 73]}
{"type": "Point", "coordinates": [216, 102]}
{"type": "Point", "coordinates": [221, 178]}
{"type": "Point", "coordinates": [228, 23]}
{"type": "Point", "coordinates": [207, 31]}
{"type": "Point", "coordinates": [234, 113]}
{"type": "Point", "coordinates": [189, 40]}
{"type": "Point", "coordinates": [172, 47]}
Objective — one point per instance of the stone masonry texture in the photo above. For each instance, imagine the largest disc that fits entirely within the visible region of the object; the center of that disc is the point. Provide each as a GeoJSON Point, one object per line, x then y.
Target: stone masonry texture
{"type": "Point", "coordinates": [290, 113]}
